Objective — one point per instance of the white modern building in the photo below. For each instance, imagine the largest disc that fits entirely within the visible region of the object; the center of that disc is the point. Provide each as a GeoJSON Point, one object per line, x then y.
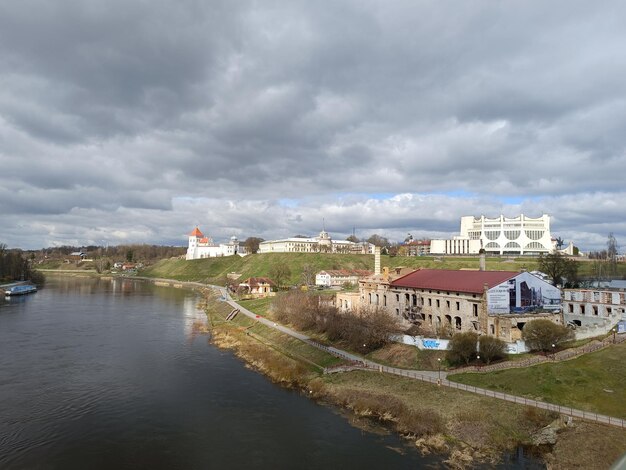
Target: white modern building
{"type": "Point", "coordinates": [320, 244]}
{"type": "Point", "coordinates": [204, 247]}
{"type": "Point", "coordinates": [501, 235]}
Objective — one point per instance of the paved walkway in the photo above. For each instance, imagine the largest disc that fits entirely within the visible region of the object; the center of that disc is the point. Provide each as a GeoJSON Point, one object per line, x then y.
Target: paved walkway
{"type": "Point", "coordinates": [434, 377]}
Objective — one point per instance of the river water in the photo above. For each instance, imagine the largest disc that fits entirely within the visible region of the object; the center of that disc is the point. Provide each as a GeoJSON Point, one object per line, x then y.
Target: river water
{"type": "Point", "coordinates": [108, 374]}
{"type": "Point", "coordinates": [98, 374]}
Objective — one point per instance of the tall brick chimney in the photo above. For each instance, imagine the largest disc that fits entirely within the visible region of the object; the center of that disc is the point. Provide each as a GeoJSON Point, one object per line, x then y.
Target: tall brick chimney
{"type": "Point", "coordinates": [376, 261]}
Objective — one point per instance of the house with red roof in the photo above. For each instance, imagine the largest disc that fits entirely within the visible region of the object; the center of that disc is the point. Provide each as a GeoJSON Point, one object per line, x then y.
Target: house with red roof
{"type": "Point", "coordinates": [257, 287]}
{"type": "Point", "coordinates": [443, 302]}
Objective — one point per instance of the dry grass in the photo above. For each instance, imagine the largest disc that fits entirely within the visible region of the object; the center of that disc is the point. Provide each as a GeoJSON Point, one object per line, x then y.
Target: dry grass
{"type": "Point", "coordinates": [387, 408]}
{"type": "Point", "coordinates": [587, 446]}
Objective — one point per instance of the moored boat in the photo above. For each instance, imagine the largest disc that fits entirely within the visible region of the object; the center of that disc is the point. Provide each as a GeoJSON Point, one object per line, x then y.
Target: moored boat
{"type": "Point", "coordinates": [22, 289]}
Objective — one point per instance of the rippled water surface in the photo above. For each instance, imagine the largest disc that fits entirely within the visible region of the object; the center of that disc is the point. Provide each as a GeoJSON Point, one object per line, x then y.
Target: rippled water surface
{"type": "Point", "coordinates": [98, 374]}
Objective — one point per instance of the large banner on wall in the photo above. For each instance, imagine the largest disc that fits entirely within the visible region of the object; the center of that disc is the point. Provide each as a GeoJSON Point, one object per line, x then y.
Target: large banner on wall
{"type": "Point", "coordinates": [523, 293]}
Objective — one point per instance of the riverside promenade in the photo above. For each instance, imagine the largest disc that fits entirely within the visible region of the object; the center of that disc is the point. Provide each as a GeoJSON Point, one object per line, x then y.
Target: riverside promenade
{"type": "Point", "coordinates": [434, 377]}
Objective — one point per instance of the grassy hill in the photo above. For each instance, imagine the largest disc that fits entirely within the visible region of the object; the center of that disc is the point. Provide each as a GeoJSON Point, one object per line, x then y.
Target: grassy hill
{"type": "Point", "coordinates": [215, 270]}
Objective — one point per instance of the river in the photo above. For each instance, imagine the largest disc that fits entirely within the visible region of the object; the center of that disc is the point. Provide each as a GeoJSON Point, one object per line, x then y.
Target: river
{"type": "Point", "coordinates": [109, 374]}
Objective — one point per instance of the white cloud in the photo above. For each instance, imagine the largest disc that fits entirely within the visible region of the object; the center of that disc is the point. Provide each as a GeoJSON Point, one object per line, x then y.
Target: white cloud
{"type": "Point", "coordinates": [131, 124]}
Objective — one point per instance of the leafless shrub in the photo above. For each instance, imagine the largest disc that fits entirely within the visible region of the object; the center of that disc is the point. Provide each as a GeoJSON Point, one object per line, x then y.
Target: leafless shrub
{"type": "Point", "coordinates": [421, 422]}
{"type": "Point", "coordinates": [363, 331]}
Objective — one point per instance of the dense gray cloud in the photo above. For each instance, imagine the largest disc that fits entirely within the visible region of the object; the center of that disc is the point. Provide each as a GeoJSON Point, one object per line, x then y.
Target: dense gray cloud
{"type": "Point", "coordinates": [133, 121]}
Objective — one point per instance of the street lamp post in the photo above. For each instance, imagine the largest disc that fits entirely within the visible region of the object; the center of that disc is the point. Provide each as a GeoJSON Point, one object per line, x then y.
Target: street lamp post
{"type": "Point", "coordinates": [439, 371]}
{"type": "Point", "coordinates": [614, 331]}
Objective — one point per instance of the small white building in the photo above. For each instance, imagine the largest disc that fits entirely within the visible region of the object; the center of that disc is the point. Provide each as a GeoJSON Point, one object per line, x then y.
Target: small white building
{"type": "Point", "coordinates": [338, 277]}
{"type": "Point", "coordinates": [203, 247]}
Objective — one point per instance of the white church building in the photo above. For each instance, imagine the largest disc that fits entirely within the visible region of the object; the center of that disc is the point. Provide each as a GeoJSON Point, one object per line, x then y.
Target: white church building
{"type": "Point", "coordinates": [204, 247]}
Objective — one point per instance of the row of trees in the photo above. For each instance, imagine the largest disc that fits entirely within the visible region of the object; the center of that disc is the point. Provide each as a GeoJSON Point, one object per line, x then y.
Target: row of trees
{"type": "Point", "coordinates": [135, 252]}
{"type": "Point", "coordinates": [15, 267]}
{"type": "Point", "coordinates": [363, 331]}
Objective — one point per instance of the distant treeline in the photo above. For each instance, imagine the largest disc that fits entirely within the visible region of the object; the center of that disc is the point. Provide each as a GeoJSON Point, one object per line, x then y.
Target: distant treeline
{"type": "Point", "coordinates": [15, 267]}
{"type": "Point", "coordinates": [118, 252]}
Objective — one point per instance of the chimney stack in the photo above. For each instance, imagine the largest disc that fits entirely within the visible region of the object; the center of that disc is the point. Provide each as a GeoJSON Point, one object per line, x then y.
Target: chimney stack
{"type": "Point", "coordinates": [376, 261]}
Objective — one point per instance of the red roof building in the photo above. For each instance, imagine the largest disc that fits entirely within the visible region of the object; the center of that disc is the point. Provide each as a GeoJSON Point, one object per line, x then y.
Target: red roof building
{"type": "Point", "coordinates": [471, 282]}
{"type": "Point", "coordinates": [443, 302]}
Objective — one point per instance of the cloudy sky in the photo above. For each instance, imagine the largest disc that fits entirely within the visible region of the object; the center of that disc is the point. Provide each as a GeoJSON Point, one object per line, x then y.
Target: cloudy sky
{"type": "Point", "coordinates": [127, 121]}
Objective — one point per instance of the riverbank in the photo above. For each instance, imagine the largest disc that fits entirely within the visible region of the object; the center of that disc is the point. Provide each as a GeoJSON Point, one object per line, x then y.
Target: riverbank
{"type": "Point", "coordinates": [466, 427]}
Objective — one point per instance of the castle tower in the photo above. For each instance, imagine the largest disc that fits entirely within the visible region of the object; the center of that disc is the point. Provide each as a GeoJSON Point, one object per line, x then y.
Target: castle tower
{"type": "Point", "coordinates": [194, 237]}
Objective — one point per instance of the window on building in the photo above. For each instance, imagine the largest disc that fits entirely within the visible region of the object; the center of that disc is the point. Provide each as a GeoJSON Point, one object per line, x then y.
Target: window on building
{"type": "Point", "coordinates": [448, 304]}
{"type": "Point", "coordinates": [384, 300]}
{"type": "Point", "coordinates": [458, 305]}
{"type": "Point", "coordinates": [582, 309]}
{"type": "Point", "coordinates": [430, 302]}
{"type": "Point", "coordinates": [475, 309]}
{"type": "Point", "coordinates": [397, 297]}
{"type": "Point", "coordinates": [595, 310]}
{"type": "Point", "coordinates": [438, 303]}
{"type": "Point", "coordinates": [414, 298]}
{"type": "Point", "coordinates": [571, 308]}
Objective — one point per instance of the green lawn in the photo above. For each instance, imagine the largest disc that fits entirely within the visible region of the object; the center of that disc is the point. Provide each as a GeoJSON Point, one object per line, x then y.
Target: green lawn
{"type": "Point", "coordinates": [594, 382]}
{"type": "Point", "coordinates": [215, 270]}
{"type": "Point", "coordinates": [258, 306]}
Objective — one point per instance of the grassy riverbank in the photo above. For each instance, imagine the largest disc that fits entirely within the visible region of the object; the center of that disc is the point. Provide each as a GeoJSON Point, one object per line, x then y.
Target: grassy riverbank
{"type": "Point", "coordinates": [594, 382]}
{"type": "Point", "coordinates": [216, 270]}
{"type": "Point", "coordinates": [465, 426]}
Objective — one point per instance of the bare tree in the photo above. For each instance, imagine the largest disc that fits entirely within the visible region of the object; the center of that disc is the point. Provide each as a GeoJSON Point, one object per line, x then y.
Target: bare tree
{"type": "Point", "coordinates": [559, 267]}
{"type": "Point", "coordinates": [491, 348]}
{"type": "Point", "coordinates": [378, 240]}
{"type": "Point", "coordinates": [308, 275]}
{"type": "Point", "coordinates": [252, 244]}
{"type": "Point", "coordinates": [543, 335]}
{"type": "Point", "coordinates": [462, 348]}
{"type": "Point", "coordinates": [279, 272]}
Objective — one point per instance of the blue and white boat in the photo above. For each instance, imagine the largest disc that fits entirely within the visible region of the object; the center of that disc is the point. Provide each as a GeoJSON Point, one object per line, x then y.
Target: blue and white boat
{"type": "Point", "coordinates": [22, 289]}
